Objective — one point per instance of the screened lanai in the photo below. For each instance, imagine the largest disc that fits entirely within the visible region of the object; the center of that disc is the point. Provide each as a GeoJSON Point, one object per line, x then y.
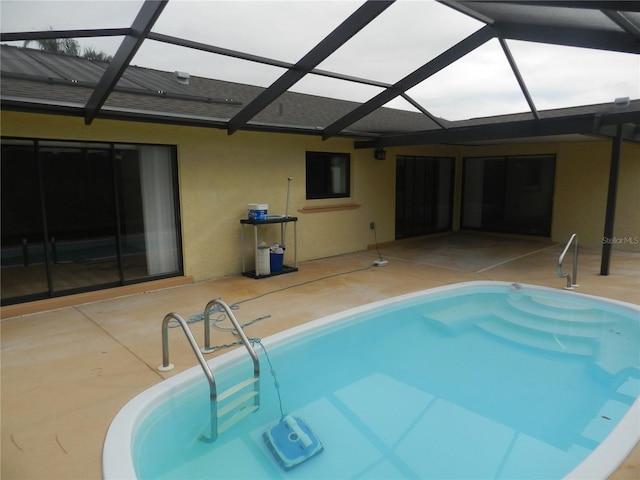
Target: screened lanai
{"type": "Point", "coordinates": [454, 62]}
{"type": "Point", "coordinates": [236, 93]}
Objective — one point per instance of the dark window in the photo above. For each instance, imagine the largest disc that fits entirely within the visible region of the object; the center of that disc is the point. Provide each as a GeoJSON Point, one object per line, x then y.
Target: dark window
{"type": "Point", "coordinates": [328, 175]}
{"type": "Point", "coordinates": [508, 194]}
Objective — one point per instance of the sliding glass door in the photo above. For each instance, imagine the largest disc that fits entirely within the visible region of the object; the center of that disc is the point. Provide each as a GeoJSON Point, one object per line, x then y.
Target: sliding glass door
{"type": "Point", "coordinates": [424, 195]}
{"type": "Point", "coordinates": [508, 194]}
{"type": "Point", "coordinates": [84, 216]}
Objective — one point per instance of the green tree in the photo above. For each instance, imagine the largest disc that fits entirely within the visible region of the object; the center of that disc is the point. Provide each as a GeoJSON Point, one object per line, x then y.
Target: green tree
{"type": "Point", "coordinates": [92, 54]}
{"type": "Point", "coordinates": [69, 46]}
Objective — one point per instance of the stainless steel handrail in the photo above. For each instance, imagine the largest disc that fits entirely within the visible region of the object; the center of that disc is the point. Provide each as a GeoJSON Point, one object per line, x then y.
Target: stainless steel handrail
{"type": "Point", "coordinates": [236, 325]}
{"type": "Point", "coordinates": [213, 395]}
{"type": "Point", "coordinates": [571, 281]}
{"type": "Point", "coordinates": [203, 363]}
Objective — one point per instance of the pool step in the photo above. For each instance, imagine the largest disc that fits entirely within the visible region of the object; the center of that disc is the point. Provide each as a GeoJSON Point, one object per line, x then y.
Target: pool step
{"type": "Point", "coordinates": [615, 351]}
{"type": "Point", "coordinates": [541, 339]}
{"type": "Point", "coordinates": [585, 324]}
{"type": "Point", "coordinates": [548, 324]}
{"type": "Point", "coordinates": [549, 308]}
{"type": "Point", "coordinates": [456, 319]}
{"type": "Point", "coordinates": [545, 323]}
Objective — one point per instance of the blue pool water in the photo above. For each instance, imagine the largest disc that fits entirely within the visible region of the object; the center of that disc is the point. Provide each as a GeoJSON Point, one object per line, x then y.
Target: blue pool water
{"type": "Point", "coordinates": [483, 381]}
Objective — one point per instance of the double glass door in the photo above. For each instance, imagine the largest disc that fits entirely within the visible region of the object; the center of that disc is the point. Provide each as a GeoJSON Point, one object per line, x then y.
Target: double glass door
{"type": "Point", "coordinates": [85, 216]}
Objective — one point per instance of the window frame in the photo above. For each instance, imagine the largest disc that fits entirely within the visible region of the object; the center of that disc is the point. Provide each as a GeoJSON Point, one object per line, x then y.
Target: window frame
{"type": "Point", "coordinates": [320, 186]}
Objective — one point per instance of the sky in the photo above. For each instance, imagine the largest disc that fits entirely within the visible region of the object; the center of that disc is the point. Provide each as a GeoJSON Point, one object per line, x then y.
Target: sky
{"type": "Point", "coordinates": [406, 36]}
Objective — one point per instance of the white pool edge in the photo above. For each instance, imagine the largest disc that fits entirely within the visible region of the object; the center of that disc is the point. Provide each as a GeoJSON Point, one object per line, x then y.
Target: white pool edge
{"type": "Point", "coordinates": [613, 450]}
{"type": "Point", "coordinates": [117, 460]}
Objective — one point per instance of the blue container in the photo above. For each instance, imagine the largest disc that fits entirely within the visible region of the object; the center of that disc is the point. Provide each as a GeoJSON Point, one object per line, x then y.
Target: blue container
{"type": "Point", "coordinates": [258, 211]}
{"type": "Point", "coordinates": [276, 262]}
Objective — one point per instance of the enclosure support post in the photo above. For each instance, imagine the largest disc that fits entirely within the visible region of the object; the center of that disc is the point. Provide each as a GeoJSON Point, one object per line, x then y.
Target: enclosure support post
{"type": "Point", "coordinates": [607, 238]}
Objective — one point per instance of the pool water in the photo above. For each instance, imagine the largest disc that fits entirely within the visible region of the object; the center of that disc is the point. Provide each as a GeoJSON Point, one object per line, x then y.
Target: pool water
{"type": "Point", "coordinates": [475, 382]}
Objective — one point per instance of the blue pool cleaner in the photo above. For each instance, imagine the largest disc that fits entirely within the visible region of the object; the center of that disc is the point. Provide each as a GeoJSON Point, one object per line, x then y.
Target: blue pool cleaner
{"type": "Point", "coordinates": [292, 442]}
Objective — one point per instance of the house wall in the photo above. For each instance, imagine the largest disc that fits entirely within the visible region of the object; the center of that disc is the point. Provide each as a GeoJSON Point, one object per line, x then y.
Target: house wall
{"type": "Point", "coordinates": [220, 174]}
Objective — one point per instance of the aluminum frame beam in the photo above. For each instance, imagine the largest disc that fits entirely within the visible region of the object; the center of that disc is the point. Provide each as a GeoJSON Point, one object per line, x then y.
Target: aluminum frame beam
{"type": "Point", "coordinates": [624, 41]}
{"type": "Point", "coordinates": [588, 124]}
{"type": "Point", "coordinates": [516, 72]}
{"type": "Point", "coordinates": [623, 22]}
{"type": "Point", "coordinates": [47, 34]}
{"type": "Point", "coordinates": [347, 29]}
{"type": "Point", "coordinates": [624, 5]}
{"type": "Point", "coordinates": [181, 42]}
{"type": "Point", "coordinates": [443, 60]}
{"type": "Point", "coordinates": [571, 37]}
{"type": "Point", "coordinates": [144, 21]}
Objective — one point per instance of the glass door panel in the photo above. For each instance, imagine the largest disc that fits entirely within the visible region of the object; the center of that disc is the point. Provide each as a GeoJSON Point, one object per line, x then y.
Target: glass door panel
{"type": "Point", "coordinates": [149, 222]}
{"type": "Point", "coordinates": [423, 195]}
{"type": "Point", "coordinates": [80, 216]}
{"type": "Point", "coordinates": [23, 270]}
{"type": "Point", "coordinates": [529, 195]}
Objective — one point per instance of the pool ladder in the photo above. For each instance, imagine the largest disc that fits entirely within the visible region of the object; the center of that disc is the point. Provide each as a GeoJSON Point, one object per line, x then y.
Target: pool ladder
{"type": "Point", "coordinates": [571, 280]}
{"type": "Point", "coordinates": [236, 409]}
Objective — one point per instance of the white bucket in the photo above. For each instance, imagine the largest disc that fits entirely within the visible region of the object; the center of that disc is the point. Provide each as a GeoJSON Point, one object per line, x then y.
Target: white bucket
{"type": "Point", "coordinates": [257, 211]}
{"type": "Point", "coordinates": [263, 256]}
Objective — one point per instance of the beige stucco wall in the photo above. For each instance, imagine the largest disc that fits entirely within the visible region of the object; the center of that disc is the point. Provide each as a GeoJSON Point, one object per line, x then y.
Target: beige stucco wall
{"type": "Point", "coordinates": [220, 174]}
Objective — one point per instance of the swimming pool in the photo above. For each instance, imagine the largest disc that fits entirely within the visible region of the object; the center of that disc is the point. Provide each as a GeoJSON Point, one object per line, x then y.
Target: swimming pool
{"type": "Point", "coordinates": [475, 380]}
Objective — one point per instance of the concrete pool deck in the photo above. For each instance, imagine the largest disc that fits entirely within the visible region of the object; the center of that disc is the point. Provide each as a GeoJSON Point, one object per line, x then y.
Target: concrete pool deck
{"type": "Point", "coordinates": [67, 372]}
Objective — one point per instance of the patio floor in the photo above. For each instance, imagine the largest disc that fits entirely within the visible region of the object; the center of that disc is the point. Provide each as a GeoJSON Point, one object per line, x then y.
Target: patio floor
{"type": "Point", "coordinates": [67, 372]}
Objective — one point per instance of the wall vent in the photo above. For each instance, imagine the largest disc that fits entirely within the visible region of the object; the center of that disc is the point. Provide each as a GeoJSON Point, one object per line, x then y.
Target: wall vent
{"type": "Point", "coordinates": [181, 77]}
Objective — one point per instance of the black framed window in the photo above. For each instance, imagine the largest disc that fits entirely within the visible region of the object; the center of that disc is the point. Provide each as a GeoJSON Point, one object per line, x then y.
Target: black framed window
{"type": "Point", "coordinates": [328, 175]}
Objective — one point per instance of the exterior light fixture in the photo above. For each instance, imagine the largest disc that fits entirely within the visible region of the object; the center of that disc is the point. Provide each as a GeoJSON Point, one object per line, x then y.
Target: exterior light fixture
{"type": "Point", "coordinates": [380, 154]}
